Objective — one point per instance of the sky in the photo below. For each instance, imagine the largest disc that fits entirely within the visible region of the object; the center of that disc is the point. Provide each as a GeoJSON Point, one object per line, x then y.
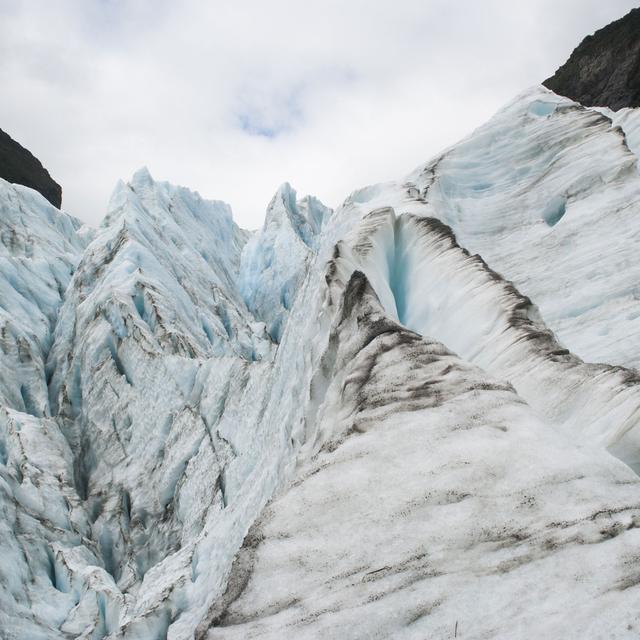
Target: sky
{"type": "Point", "coordinates": [233, 98]}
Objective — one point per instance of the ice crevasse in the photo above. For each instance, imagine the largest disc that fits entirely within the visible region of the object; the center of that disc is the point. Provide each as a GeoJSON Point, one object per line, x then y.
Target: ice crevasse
{"type": "Point", "coordinates": [416, 415]}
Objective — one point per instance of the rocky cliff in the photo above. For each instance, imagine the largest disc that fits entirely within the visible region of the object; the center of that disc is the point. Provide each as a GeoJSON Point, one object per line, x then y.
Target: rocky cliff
{"type": "Point", "coordinates": [20, 166]}
{"type": "Point", "coordinates": [604, 70]}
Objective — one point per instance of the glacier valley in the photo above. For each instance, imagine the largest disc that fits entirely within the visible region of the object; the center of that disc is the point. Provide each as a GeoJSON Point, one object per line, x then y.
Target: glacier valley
{"type": "Point", "coordinates": [414, 416]}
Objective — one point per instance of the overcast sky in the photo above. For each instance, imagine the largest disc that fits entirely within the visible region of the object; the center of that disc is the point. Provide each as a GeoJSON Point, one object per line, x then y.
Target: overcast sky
{"type": "Point", "coordinates": [232, 98]}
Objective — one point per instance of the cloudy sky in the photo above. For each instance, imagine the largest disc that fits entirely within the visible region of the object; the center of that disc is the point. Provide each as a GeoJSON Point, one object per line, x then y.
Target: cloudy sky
{"type": "Point", "coordinates": [232, 98]}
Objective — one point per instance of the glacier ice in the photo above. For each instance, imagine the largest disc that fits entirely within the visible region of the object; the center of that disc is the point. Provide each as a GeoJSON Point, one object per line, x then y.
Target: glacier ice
{"type": "Point", "coordinates": [412, 416]}
{"type": "Point", "coordinates": [501, 187]}
{"type": "Point", "coordinates": [275, 260]}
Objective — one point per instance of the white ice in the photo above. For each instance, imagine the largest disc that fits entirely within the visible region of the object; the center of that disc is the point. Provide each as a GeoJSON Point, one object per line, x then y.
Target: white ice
{"type": "Point", "coordinates": [343, 424]}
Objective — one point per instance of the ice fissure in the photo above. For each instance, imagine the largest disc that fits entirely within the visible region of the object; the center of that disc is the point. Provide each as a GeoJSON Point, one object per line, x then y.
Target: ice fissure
{"type": "Point", "coordinates": [376, 421]}
{"type": "Point", "coordinates": [473, 310]}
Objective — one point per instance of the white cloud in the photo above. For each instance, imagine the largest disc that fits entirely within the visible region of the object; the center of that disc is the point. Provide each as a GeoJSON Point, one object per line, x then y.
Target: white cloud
{"type": "Point", "coordinates": [234, 98]}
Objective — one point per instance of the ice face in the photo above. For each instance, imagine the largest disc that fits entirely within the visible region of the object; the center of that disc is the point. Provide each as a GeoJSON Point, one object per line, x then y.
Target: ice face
{"type": "Point", "coordinates": [275, 260]}
{"type": "Point", "coordinates": [526, 193]}
{"type": "Point", "coordinates": [39, 248]}
{"type": "Point", "coordinates": [435, 500]}
{"type": "Point", "coordinates": [344, 424]}
{"type": "Point", "coordinates": [429, 495]}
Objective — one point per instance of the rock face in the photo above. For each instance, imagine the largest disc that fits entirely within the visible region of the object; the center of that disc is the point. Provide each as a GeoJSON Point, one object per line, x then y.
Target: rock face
{"type": "Point", "coordinates": [20, 166]}
{"type": "Point", "coordinates": [604, 70]}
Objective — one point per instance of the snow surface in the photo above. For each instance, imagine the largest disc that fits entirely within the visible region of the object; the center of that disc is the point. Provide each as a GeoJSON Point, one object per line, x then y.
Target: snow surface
{"type": "Point", "coordinates": [343, 425]}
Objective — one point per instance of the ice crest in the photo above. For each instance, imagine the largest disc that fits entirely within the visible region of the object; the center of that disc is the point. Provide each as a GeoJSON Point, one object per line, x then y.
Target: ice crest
{"type": "Point", "coordinates": [375, 421]}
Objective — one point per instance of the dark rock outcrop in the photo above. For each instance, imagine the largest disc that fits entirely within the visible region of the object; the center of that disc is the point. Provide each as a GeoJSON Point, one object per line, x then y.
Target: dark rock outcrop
{"type": "Point", "coordinates": [604, 70]}
{"type": "Point", "coordinates": [20, 166]}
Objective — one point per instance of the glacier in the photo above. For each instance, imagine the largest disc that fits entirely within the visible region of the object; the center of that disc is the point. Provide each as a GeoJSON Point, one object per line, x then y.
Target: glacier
{"type": "Point", "coordinates": [416, 415]}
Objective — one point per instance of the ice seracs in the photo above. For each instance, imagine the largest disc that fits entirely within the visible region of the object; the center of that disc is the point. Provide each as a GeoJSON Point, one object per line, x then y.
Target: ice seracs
{"type": "Point", "coordinates": [383, 419]}
{"type": "Point", "coordinates": [276, 259]}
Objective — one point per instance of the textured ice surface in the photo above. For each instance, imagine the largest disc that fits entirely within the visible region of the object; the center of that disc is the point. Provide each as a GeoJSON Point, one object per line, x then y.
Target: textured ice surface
{"type": "Point", "coordinates": [276, 259]}
{"type": "Point", "coordinates": [39, 248]}
{"type": "Point", "coordinates": [550, 199]}
{"type": "Point", "coordinates": [344, 424]}
{"type": "Point", "coordinates": [435, 500]}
